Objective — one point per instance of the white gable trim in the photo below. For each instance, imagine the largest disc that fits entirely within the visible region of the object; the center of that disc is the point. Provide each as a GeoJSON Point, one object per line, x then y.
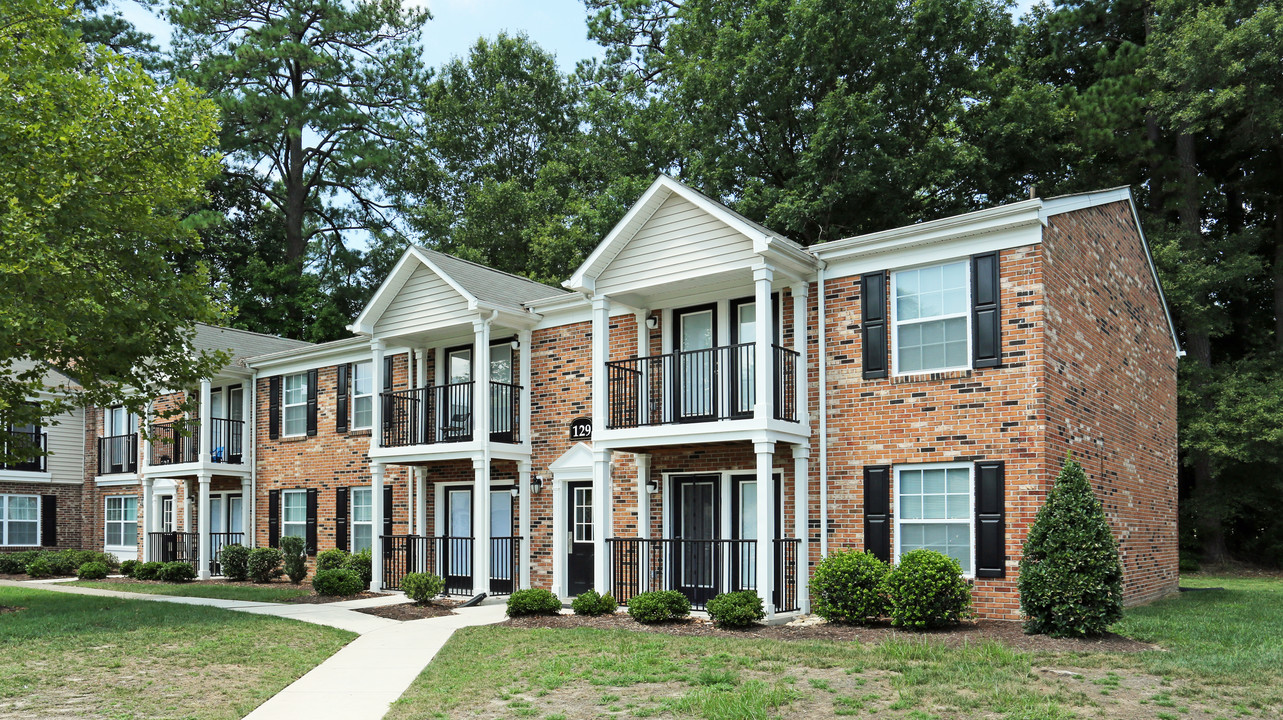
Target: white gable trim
{"type": "Point", "coordinates": [574, 464]}
{"type": "Point", "coordinates": [401, 272]}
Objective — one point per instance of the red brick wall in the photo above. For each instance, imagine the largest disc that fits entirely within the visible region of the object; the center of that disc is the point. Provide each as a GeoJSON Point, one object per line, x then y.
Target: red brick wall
{"type": "Point", "coordinates": [68, 507]}
{"type": "Point", "coordinates": [1111, 386]}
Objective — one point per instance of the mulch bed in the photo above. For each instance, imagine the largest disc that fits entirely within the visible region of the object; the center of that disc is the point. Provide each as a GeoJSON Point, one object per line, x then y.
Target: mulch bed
{"type": "Point", "coordinates": [305, 599]}
{"type": "Point", "coordinates": [1006, 632]}
{"type": "Point", "coordinates": [10, 608]}
{"type": "Point", "coordinates": [411, 611]}
{"type": "Point", "coordinates": [23, 577]}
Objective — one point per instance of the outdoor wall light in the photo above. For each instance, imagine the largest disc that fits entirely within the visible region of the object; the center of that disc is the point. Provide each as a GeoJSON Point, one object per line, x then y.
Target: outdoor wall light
{"type": "Point", "coordinates": [652, 322]}
{"type": "Point", "coordinates": [515, 344]}
{"type": "Point", "coordinates": [514, 490]}
{"type": "Point", "coordinates": [536, 485]}
{"type": "Point", "coordinates": [652, 487]}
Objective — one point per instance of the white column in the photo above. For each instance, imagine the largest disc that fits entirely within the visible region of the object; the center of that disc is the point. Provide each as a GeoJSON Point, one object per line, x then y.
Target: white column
{"type": "Point", "coordinates": [600, 354]}
{"type": "Point", "coordinates": [523, 518]}
{"type": "Point", "coordinates": [376, 502]}
{"type": "Point", "coordinates": [643, 513]}
{"type": "Point", "coordinates": [525, 359]}
{"type": "Point", "coordinates": [481, 526]}
{"type": "Point", "coordinates": [247, 512]}
{"type": "Point", "coordinates": [481, 381]}
{"type": "Point", "coordinates": [410, 474]}
{"type": "Point", "coordinates": [421, 503]}
{"type": "Point", "coordinates": [643, 350]}
{"type": "Point", "coordinates": [560, 530]}
{"type": "Point", "coordinates": [764, 368]}
{"type": "Point", "coordinates": [247, 415]}
{"type": "Point", "coordinates": [799, 345]}
{"type": "Point", "coordinates": [376, 407]}
{"type": "Point", "coordinates": [765, 527]}
{"type": "Point", "coordinates": [801, 515]}
{"type": "Point", "coordinates": [206, 425]}
{"type": "Point", "coordinates": [601, 519]}
{"type": "Point", "coordinates": [149, 515]}
{"type": "Point", "coordinates": [202, 558]}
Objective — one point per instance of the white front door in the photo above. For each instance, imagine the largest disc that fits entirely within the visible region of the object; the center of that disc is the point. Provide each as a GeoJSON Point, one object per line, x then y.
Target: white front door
{"type": "Point", "coordinates": [235, 514]}
{"type": "Point", "coordinates": [501, 527]}
{"type": "Point", "coordinates": [695, 342]}
{"type": "Point", "coordinates": [217, 517]}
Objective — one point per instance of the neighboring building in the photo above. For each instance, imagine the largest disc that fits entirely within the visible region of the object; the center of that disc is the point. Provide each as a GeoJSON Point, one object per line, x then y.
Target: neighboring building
{"type": "Point", "coordinates": [918, 387]}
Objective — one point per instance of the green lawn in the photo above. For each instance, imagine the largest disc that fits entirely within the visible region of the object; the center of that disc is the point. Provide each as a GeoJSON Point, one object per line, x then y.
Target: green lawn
{"type": "Point", "coordinates": [259, 593]}
{"type": "Point", "coordinates": [1221, 659]}
{"type": "Point", "coordinates": [83, 656]}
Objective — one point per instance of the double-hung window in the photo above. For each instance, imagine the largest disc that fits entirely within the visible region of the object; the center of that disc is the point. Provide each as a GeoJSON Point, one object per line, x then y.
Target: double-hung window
{"type": "Point", "coordinates": [122, 521]}
{"type": "Point", "coordinates": [20, 520]}
{"type": "Point", "coordinates": [362, 520]}
{"type": "Point", "coordinates": [294, 405]}
{"type": "Point", "coordinates": [934, 511]}
{"type": "Point", "coordinates": [931, 318]}
{"type": "Point", "coordinates": [294, 513]}
{"type": "Point", "coordinates": [362, 395]}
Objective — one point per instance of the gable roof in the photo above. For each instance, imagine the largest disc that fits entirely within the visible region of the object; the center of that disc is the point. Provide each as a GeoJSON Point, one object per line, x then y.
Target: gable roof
{"type": "Point", "coordinates": [242, 344]}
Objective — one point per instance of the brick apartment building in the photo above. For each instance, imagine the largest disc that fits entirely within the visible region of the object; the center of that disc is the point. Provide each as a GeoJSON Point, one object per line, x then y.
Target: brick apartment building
{"type": "Point", "coordinates": [918, 387]}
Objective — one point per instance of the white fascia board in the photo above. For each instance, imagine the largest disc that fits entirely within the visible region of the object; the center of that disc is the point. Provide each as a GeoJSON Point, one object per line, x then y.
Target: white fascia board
{"type": "Point", "coordinates": [335, 356]}
{"type": "Point", "coordinates": [1021, 214]}
{"type": "Point", "coordinates": [510, 318]}
{"type": "Point", "coordinates": [911, 254]}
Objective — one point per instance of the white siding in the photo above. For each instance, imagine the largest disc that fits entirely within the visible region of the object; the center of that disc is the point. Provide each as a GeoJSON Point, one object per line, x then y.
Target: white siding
{"type": "Point", "coordinates": [66, 460]}
{"type": "Point", "coordinates": [679, 241]}
{"type": "Point", "coordinates": [424, 302]}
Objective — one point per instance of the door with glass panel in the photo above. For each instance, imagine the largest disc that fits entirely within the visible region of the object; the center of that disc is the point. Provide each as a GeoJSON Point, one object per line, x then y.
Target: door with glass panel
{"type": "Point", "coordinates": [743, 358]}
{"type": "Point", "coordinates": [456, 550]}
{"type": "Point", "coordinates": [236, 428]}
{"type": "Point", "coordinates": [579, 540]}
{"type": "Point", "coordinates": [218, 428]}
{"type": "Point", "coordinates": [454, 401]}
{"type": "Point", "coordinates": [698, 565]}
{"type": "Point", "coordinates": [502, 545]}
{"type": "Point", "coordinates": [695, 364]}
{"type": "Point", "coordinates": [503, 394]}
{"type": "Point", "coordinates": [744, 499]}
{"type": "Point", "coordinates": [121, 452]}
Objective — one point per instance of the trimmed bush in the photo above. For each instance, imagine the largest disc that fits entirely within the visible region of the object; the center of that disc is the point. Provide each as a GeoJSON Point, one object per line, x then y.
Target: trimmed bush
{"type": "Point", "coordinates": [148, 571]}
{"type": "Point", "coordinates": [422, 587]}
{"type": "Point", "coordinates": [736, 609]}
{"type": "Point", "coordinates": [362, 563]}
{"type": "Point", "coordinates": [15, 563]}
{"type": "Point", "coordinates": [592, 604]}
{"type": "Point", "coordinates": [235, 561]}
{"type": "Point", "coordinates": [93, 571]}
{"type": "Point", "coordinates": [659, 606]}
{"type": "Point", "coordinates": [535, 601]}
{"type": "Point", "coordinates": [264, 564]}
{"type": "Point", "coordinates": [294, 559]}
{"type": "Point", "coordinates": [337, 581]}
{"type": "Point", "coordinates": [332, 559]}
{"type": "Point", "coordinates": [127, 567]}
{"type": "Point", "coordinates": [1071, 580]}
{"type": "Point", "coordinates": [176, 572]}
{"type": "Point", "coordinates": [926, 590]}
{"type": "Point", "coordinates": [847, 587]}
{"type": "Point", "coordinates": [40, 567]}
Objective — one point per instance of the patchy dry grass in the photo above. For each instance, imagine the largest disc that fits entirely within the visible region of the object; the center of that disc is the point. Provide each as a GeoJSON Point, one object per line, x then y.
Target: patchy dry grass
{"type": "Point", "coordinates": [82, 656]}
{"type": "Point", "coordinates": [273, 592]}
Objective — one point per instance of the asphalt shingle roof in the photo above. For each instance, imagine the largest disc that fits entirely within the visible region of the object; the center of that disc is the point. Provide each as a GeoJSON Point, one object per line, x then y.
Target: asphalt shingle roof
{"type": "Point", "coordinates": [242, 344]}
{"type": "Point", "coordinates": [491, 286]}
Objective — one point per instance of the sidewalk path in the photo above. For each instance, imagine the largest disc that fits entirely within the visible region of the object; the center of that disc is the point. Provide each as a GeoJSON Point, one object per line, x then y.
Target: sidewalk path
{"type": "Point", "coordinates": [358, 682]}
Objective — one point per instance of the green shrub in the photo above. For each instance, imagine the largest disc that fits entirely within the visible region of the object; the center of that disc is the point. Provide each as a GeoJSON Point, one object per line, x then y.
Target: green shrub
{"type": "Point", "coordinates": [234, 559]}
{"type": "Point", "coordinates": [337, 581]}
{"type": "Point", "coordinates": [535, 601]}
{"type": "Point", "coordinates": [362, 563]}
{"type": "Point", "coordinates": [590, 603]}
{"type": "Point", "coordinates": [422, 587]}
{"type": "Point", "coordinates": [847, 587]}
{"type": "Point", "coordinates": [736, 609]}
{"type": "Point", "coordinates": [93, 571]}
{"type": "Point", "coordinates": [659, 606]}
{"type": "Point", "coordinates": [264, 564]}
{"type": "Point", "coordinates": [176, 572]}
{"type": "Point", "coordinates": [1071, 579]}
{"type": "Point", "coordinates": [40, 567]}
{"type": "Point", "coordinates": [294, 558]}
{"type": "Point", "coordinates": [148, 571]}
{"type": "Point", "coordinates": [15, 563]}
{"type": "Point", "coordinates": [332, 559]}
{"type": "Point", "coordinates": [127, 567]}
{"type": "Point", "coordinates": [1189, 562]}
{"type": "Point", "coordinates": [926, 590]}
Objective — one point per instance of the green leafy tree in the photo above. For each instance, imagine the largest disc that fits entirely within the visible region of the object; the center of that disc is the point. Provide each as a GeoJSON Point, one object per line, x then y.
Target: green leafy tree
{"type": "Point", "coordinates": [100, 168]}
{"type": "Point", "coordinates": [1071, 578]}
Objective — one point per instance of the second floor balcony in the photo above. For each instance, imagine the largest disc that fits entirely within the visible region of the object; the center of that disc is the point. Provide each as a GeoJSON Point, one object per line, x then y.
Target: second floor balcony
{"type": "Point", "coordinates": [444, 414]}
{"type": "Point", "coordinates": [178, 442]}
{"type": "Point", "coordinates": [118, 454]}
{"type": "Point", "coordinates": [25, 450]}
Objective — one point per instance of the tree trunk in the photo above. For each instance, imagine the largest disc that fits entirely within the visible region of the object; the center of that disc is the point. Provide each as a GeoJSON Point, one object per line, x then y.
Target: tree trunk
{"type": "Point", "coordinates": [1278, 264]}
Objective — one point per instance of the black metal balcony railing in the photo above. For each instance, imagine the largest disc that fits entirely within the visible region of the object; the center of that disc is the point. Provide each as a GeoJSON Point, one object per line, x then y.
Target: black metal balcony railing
{"type": "Point", "coordinates": [451, 559]}
{"type": "Point", "coordinates": [218, 541]}
{"type": "Point", "coordinates": [699, 569]}
{"type": "Point", "coordinates": [175, 442]}
{"type": "Point", "coordinates": [25, 450]}
{"type": "Point", "coordinates": [442, 414]}
{"type": "Point", "coordinates": [173, 546]}
{"type": "Point", "coordinates": [118, 454]}
{"type": "Point", "coordinates": [697, 386]}
{"type": "Point", "coordinates": [227, 441]}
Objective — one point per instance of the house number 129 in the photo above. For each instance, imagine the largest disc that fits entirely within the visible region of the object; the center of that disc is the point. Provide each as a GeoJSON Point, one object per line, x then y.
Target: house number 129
{"type": "Point", "coordinates": [581, 429]}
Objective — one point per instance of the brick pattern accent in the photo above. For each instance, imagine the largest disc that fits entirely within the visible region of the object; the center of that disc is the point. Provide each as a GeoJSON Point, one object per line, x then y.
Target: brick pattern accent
{"type": "Point", "coordinates": [71, 518]}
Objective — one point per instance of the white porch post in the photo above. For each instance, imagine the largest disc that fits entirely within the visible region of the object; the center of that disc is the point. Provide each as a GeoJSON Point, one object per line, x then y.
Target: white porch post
{"type": "Point", "coordinates": [643, 350]}
{"type": "Point", "coordinates": [801, 514]}
{"type": "Point", "coordinates": [600, 355]}
{"type": "Point", "coordinates": [799, 345]}
{"type": "Point", "coordinates": [643, 513]}
{"type": "Point", "coordinates": [420, 479]}
{"type": "Point", "coordinates": [206, 430]}
{"type": "Point", "coordinates": [202, 557]}
{"type": "Point", "coordinates": [601, 519]}
{"type": "Point", "coordinates": [560, 529]}
{"type": "Point", "coordinates": [247, 512]}
{"type": "Point", "coordinates": [525, 359]}
{"type": "Point", "coordinates": [376, 407]}
{"type": "Point", "coordinates": [481, 527]}
{"type": "Point", "coordinates": [523, 521]}
{"type": "Point", "coordinates": [765, 530]}
{"type": "Point", "coordinates": [481, 381]}
{"type": "Point", "coordinates": [149, 515]}
{"type": "Point", "coordinates": [376, 507]}
{"type": "Point", "coordinates": [765, 370]}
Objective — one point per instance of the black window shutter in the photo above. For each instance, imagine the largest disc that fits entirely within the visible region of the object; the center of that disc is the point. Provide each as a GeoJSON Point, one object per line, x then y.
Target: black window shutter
{"type": "Point", "coordinates": [274, 407]}
{"type": "Point", "coordinates": [311, 402]}
{"type": "Point", "coordinates": [340, 518]}
{"type": "Point", "coordinates": [273, 518]}
{"type": "Point", "coordinates": [340, 398]}
{"type": "Point", "coordinates": [48, 521]}
{"type": "Point", "coordinates": [877, 511]}
{"type": "Point", "coordinates": [873, 304]}
{"type": "Point", "coordinates": [311, 521]}
{"type": "Point", "coordinates": [387, 374]}
{"type": "Point", "coordinates": [387, 509]}
{"type": "Point", "coordinates": [991, 516]}
{"type": "Point", "coordinates": [985, 291]}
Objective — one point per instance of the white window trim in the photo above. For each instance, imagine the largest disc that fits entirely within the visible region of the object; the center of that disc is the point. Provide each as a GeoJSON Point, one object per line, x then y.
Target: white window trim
{"type": "Point", "coordinates": [286, 406]}
{"type": "Point", "coordinates": [895, 322]}
{"type": "Point", "coordinates": [971, 508]}
{"type": "Point", "coordinates": [4, 520]}
{"type": "Point", "coordinates": [353, 522]}
{"type": "Point", "coordinates": [356, 396]}
{"type": "Point", "coordinates": [285, 494]}
{"type": "Point", "coordinates": [105, 522]}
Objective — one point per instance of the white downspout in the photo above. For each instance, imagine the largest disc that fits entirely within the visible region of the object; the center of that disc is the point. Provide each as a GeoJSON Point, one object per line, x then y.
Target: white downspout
{"type": "Point", "coordinates": [250, 504]}
{"type": "Point", "coordinates": [824, 418]}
